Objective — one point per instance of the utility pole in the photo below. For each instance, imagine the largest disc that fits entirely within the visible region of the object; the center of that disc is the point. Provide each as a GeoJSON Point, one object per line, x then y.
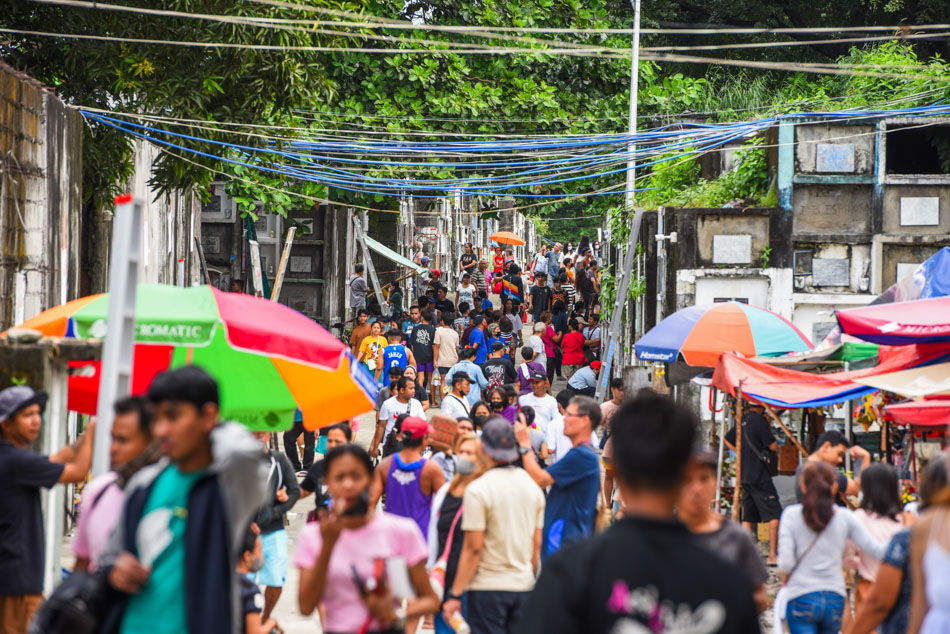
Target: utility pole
{"type": "Point", "coordinates": [611, 346]}
{"type": "Point", "coordinates": [115, 375]}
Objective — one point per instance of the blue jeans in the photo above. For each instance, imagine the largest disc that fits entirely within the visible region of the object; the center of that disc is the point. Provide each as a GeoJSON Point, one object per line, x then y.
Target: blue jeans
{"type": "Point", "coordinates": [815, 613]}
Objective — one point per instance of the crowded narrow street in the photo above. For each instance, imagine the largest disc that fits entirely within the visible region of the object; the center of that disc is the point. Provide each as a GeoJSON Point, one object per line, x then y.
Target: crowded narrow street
{"type": "Point", "coordinates": [505, 317]}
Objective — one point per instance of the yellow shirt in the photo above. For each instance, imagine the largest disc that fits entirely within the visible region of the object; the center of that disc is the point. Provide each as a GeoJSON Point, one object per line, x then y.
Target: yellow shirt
{"type": "Point", "coordinates": [371, 347]}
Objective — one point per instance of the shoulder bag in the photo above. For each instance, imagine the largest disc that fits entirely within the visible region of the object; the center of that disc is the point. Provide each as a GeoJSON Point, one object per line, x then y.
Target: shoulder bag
{"type": "Point", "coordinates": [770, 458]}
{"type": "Point", "coordinates": [437, 574]}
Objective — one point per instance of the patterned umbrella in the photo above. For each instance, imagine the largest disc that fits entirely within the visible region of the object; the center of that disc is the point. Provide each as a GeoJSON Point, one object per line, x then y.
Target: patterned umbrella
{"type": "Point", "coordinates": [699, 334]}
{"type": "Point", "coordinates": [268, 359]}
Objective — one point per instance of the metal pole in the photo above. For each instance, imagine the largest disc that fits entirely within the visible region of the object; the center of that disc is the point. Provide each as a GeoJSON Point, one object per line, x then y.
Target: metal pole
{"type": "Point", "coordinates": [722, 434]}
{"type": "Point", "coordinates": [56, 495]}
{"type": "Point", "coordinates": [738, 490]}
{"type": "Point", "coordinates": [848, 425]}
{"type": "Point", "coordinates": [115, 375]}
{"type": "Point", "coordinates": [611, 345]}
{"type": "Point", "coordinates": [660, 262]}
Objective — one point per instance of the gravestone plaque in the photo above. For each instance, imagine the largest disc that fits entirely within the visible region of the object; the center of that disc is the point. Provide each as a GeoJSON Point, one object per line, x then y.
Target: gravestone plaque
{"type": "Point", "coordinates": [905, 269]}
{"type": "Point", "coordinates": [732, 249]}
{"type": "Point", "coordinates": [300, 264]}
{"type": "Point", "coordinates": [835, 157]}
{"type": "Point", "coordinates": [820, 330]}
{"type": "Point", "coordinates": [919, 212]}
{"type": "Point", "coordinates": [830, 272]}
{"type": "Point", "coordinates": [211, 244]}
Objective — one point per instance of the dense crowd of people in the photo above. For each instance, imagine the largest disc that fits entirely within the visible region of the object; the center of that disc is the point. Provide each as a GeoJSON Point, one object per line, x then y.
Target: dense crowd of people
{"type": "Point", "coordinates": [517, 507]}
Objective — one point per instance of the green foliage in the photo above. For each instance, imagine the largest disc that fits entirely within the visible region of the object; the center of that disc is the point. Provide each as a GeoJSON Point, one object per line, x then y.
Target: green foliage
{"type": "Point", "coordinates": [766, 256]}
{"type": "Point", "coordinates": [234, 84]}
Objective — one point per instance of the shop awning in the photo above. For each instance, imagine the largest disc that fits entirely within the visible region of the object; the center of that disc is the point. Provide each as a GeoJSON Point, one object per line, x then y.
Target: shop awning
{"type": "Point", "coordinates": [900, 323]}
{"type": "Point", "coordinates": [788, 388]}
{"type": "Point", "coordinates": [931, 414]}
{"type": "Point", "coordinates": [913, 383]}
{"type": "Point", "coordinates": [389, 254]}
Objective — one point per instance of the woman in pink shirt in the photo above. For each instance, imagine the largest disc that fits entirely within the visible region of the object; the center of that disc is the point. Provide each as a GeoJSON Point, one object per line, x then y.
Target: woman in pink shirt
{"type": "Point", "coordinates": [879, 512]}
{"type": "Point", "coordinates": [350, 548]}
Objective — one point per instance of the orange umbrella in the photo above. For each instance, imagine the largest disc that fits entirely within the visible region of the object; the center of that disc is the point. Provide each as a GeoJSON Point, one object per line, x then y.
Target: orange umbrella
{"type": "Point", "coordinates": [506, 237]}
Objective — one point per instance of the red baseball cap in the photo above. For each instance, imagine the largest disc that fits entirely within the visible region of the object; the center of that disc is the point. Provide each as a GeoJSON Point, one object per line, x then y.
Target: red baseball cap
{"type": "Point", "coordinates": [595, 366]}
{"type": "Point", "coordinates": [414, 427]}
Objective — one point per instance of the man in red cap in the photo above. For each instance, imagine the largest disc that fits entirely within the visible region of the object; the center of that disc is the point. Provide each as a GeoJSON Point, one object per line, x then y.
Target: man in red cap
{"type": "Point", "coordinates": [408, 479]}
{"type": "Point", "coordinates": [584, 381]}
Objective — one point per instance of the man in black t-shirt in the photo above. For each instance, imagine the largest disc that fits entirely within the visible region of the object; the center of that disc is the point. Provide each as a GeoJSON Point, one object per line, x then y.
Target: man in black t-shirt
{"type": "Point", "coordinates": [442, 303]}
{"type": "Point", "coordinates": [422, 340]}
{"type": "Point", "coordinates": [759, 497]}
{"type": "Point", "coordinates": [540, 296]}
{"type": "Point", "coordinates": [497, 369]}
{"type": "Point", "coordinates": [645, 573]}
{"type": "Point", "coordinates": [22, 475]}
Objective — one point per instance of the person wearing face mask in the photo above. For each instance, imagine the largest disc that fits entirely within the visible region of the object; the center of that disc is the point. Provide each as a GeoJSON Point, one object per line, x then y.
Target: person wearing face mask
{"type": "Point", "coordinates": [251, 561]}
{"type": "Point", "coordinates": [338, 555]}
{"type": "Point", "coordinates": [498, 401]}
{"type": "Point", "coordinates": [445, 526]}
{"type": "Point", "coordinates": [446, 459]}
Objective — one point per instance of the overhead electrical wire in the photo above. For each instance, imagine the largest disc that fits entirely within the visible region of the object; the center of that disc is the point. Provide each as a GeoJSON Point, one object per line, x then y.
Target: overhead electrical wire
{"type": "Point", "coordinates": [304, 26]}
{"type": "Point", "coordinates": [492, 185]}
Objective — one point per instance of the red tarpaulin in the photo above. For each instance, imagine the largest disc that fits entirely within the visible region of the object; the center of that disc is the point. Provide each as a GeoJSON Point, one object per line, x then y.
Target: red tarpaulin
{"type": "Point", "coordinates": [928, 414]}
{"type": "Point", "coordinates": [919, 321]}
{"type": "Point", "coordinates": [794, 389]}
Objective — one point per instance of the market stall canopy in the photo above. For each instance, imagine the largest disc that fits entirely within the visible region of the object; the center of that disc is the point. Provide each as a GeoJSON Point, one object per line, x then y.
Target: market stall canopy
{"type": "Point", "coordinates": [930, 279]}
{"type": "Point", "coordinates": [927, 414]}
{"type": "Point", "coordinates": [848, 351]}
{"type": "Point", "coordinates": [788, 388]}
{"type": "Point", "coordinates": [389, 254]}
{"type": "Point", "coordinates": [920, 321]}
{"type": "Point", "coordinates": [697, 335]}
{"type": "Point", "coordinates": [913, 383]}
{"type": "Point", "coordinates": [507, 237]}
{"type": "Point", "coordinates": [267, 358]}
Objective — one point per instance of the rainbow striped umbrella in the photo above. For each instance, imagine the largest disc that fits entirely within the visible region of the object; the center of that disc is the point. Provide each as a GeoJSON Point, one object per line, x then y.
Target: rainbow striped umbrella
{"type": "Point", "coordinates": [699, 334]}
{"type": "Point", "coordinates": [268, 359]}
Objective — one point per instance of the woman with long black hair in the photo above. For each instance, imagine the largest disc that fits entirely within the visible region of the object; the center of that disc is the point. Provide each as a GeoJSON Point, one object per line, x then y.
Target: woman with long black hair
{"type": "Point", "coordinates": [812, 539]}
{"type": "Point", "coordinates": [879, 513]}
{"type": "Point", "coordinates": [344, 558]}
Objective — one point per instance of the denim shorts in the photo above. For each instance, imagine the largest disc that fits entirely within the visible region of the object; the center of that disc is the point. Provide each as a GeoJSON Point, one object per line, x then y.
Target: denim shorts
{"type": "Point", "coordinates": [815, 613]}
{"type": "Point", "coordinates": [274, 572]}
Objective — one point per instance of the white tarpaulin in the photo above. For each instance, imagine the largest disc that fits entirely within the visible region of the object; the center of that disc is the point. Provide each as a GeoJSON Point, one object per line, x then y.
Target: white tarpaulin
{"type": "Point", "coordinates": [913, 383]}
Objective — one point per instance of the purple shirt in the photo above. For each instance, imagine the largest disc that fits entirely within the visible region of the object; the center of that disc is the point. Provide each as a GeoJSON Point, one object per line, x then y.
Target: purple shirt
{"type": "Point", "coordinates": [525, 372]}
{"type": "Point", "coordinates": [404, 496]}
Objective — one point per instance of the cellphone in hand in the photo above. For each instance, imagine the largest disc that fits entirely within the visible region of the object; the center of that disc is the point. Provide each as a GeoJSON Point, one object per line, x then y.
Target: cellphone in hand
{"type": "Point", "coordinates": [360, 506]}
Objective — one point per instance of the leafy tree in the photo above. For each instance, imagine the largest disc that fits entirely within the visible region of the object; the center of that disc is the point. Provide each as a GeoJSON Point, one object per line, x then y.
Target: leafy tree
{"type": "Point", "coordinates": [204, 84]}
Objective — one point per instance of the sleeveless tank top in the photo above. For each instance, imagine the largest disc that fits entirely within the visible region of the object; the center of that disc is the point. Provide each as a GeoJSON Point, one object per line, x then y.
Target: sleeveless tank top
{"type": "Point", "coordinates": [395, 355]}
{"type": "Point", "coordinates": [936, 565]}
{"type": "Point", "coordinates": [404, 495]}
